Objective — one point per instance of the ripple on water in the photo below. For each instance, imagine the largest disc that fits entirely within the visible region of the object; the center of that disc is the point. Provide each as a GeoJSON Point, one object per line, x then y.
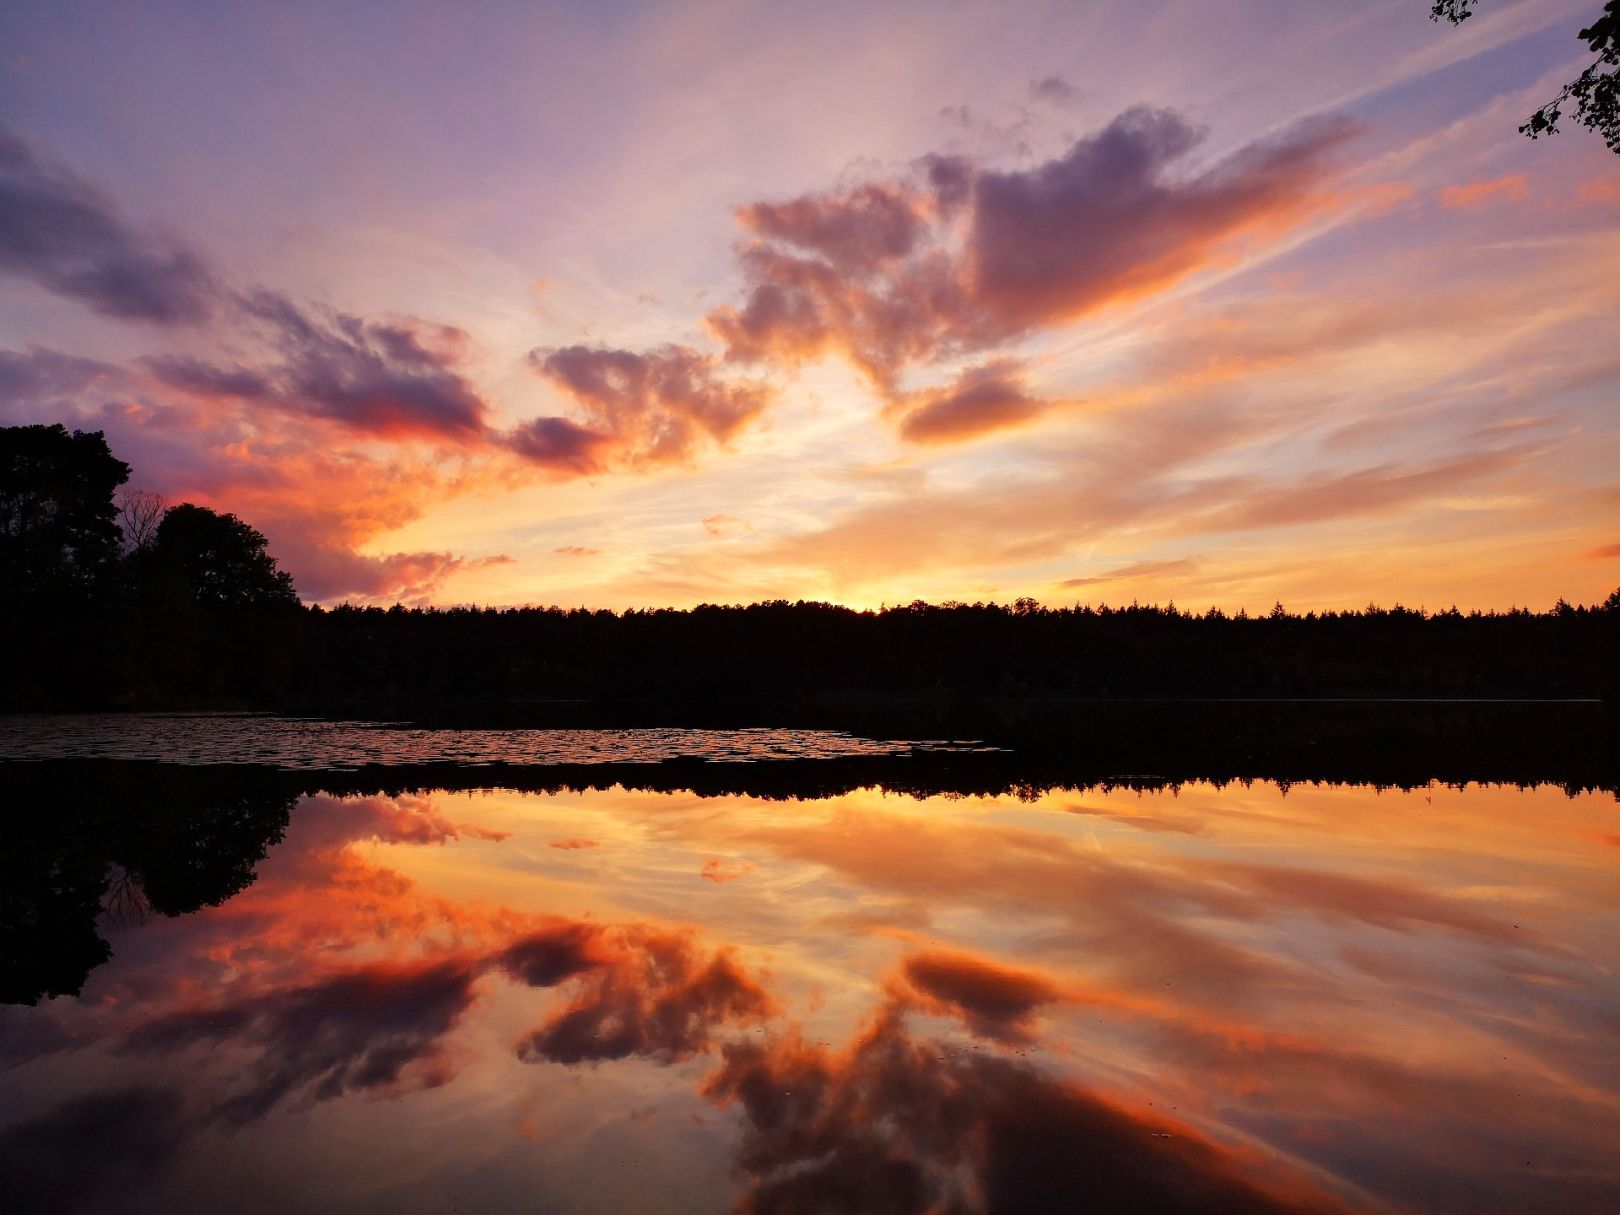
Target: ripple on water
{"type": "Point", "coordinates": [310, 743]}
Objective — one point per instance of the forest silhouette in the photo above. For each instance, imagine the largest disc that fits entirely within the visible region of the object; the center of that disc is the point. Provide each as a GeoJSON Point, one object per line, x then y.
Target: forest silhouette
{"type": "Point", "coordinates": [192, 612]}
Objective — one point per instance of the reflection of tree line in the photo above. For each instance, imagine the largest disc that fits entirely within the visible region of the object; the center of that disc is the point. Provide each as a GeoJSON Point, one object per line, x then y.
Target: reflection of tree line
{"type": "Point", "coordinates": [87, 839]}
{"type": "Point", "coordinates": [109, 838]}
{"type": "Point", "coordinates": [898, 1118]}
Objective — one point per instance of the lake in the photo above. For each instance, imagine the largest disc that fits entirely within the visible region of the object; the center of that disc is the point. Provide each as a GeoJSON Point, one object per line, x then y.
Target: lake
{"type": "Point", "coordinates": [337, 967]}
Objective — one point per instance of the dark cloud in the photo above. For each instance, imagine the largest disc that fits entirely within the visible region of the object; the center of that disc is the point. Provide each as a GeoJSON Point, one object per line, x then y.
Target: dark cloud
{"type": "Point", "coordinates": [958, 259]}
{"type": "Point", "coordinates": [194, 375]}
{"type": "Point", "coordinates": [858, 230]}
{"type": "Point", "coordinates": [395, 379]}
{"type": "Point", "coordinates": [325, 567]}
{"type": "Point", "coordinates": [547, 957]}
{"type": "Point", "coordinates": [994, 1001]}
{"type": "Point", "coordinates": [90, 1148]}
{"type": "Point", "coordinates": [1106, 220]}
{"type": "Point", "coordinates": [1601, 552]}
{"type": "Point", "coordinates": [40, 377]}
{"type": "Point", "coordinates": [61, 233]}
{"type": "Point", "coordinates": [893, 1124]}
{"type": "Point", "coordinates": [562, 445]}
{"type": "Point", "coordinates": [1053, 89]}
{"type": "Point", "coordinates": [640, 408]}
{"type": "Point", "coordinates": [949, 180]}
{"type": "Point", "coordinates": [357, 1030]}
{"type": "Point", "coordinates": [643, 991]}
{"type": "Point", "coordinates": [983, 399]}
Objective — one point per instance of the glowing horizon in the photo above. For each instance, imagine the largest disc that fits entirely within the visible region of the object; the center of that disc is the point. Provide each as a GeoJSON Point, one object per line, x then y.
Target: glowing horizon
{"type": "Point", "coordinates": [662, 304]}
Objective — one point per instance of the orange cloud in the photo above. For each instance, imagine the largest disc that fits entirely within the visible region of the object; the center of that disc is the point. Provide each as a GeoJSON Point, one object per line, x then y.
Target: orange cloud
{"type": "Point", "coordinates": [983, 399]}
{"type": "Point", "coordinates": [995, 1001]}
{"type": "Point", "coordinates": [1476, 193]}
{"type": "Point", "coordinates": [718, 870]}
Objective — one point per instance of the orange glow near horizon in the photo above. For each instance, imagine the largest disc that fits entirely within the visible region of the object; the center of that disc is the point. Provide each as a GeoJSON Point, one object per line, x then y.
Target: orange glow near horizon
{"type": "Point", "coordinates": [1068, 307]}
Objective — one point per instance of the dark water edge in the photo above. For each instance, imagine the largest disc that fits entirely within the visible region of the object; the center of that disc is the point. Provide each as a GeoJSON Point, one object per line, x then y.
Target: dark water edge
{"type": "Point", "coordinates": [1049, 743]}
{"type": "Point", "coordinates": [1023, 745]}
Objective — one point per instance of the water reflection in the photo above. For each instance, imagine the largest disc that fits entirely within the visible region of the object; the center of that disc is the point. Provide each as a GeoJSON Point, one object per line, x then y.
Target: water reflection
{"type": "Point", "coordinates": [1200, 999]}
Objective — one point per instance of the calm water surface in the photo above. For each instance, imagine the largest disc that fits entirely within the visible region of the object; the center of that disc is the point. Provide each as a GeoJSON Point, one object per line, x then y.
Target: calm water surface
{"type": "Point", "coordinates": [1208, 999]}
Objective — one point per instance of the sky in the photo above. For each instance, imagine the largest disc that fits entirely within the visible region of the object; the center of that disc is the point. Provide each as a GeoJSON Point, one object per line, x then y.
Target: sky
{"type": "Point", "coordinates": [625, 305]}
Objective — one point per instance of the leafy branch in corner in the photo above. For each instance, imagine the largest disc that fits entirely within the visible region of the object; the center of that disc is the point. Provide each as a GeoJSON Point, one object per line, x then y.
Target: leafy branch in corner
{"type": "Point", "coordinates": [1595, 93]}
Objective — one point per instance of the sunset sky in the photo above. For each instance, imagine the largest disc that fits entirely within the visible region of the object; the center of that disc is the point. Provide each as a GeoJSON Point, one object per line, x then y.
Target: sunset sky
{"type": "Point", "coordinates": [624, 304]}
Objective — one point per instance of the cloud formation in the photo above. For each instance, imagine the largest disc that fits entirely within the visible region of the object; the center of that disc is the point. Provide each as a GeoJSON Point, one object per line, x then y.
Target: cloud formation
{"type": "Point", "coordinates": [893, 1124]}
{"type": "Point", "coordinates": [640, 409]}
{"type": "Point", "coordinates": [391, 379]}
{"type": "Point", "coordinates": [62, 234]}
{"type": "Point", "coordinates": [645, 991]}
{"type": "Point", "coordinates": [89, 1147]}
{"type": "Point", "coordinates": [959, 259]}
{"type": "Point", "coordinates": [994, 1001]}
{"type": "Point", "coordinates": [357, 1030]}
{"type": "Point", "coordinates": [992, 396]}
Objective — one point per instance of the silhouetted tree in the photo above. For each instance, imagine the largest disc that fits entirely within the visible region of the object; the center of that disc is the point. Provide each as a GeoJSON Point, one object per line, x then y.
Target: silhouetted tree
{"type": "Point", "coordinates": [1595, 92]}
{"type": "Point", "coordinates": [217, 561]}
{"type": "Point", "coordinates": [58, 524]}
{"type": "Point", "coordinates": [139, 513]}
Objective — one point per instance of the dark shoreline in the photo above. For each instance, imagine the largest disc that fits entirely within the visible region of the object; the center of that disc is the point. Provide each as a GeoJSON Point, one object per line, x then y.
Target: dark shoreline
{"type": "Point", "coordinates": [1038, 744]}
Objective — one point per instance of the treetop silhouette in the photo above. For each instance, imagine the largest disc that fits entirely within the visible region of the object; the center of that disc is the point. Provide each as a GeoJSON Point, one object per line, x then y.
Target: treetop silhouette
{"type": "Point", "coordinates": [1595, 92]}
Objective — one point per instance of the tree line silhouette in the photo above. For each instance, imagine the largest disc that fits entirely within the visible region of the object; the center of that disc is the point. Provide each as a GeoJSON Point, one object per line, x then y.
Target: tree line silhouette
{"type": "Point", "coordinates": [184, 607]}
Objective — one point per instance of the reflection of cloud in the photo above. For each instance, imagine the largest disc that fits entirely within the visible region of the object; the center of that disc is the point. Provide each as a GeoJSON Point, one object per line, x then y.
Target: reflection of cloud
{"type": "Point", "coordinates": [725, 525]}
{"type": "Point", "coordinates": [719, 870]}
{"type": "Point", "coordinates": [358, 1030]}
{"type": "Point", "coordinates": [995, 1001]}
{"type": "Point", "coordinates": [91, 1146]}
{"type": "Point", "coordinates": [643, 991]}
{"type": "Point", "coordinates": [890, 1125]}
